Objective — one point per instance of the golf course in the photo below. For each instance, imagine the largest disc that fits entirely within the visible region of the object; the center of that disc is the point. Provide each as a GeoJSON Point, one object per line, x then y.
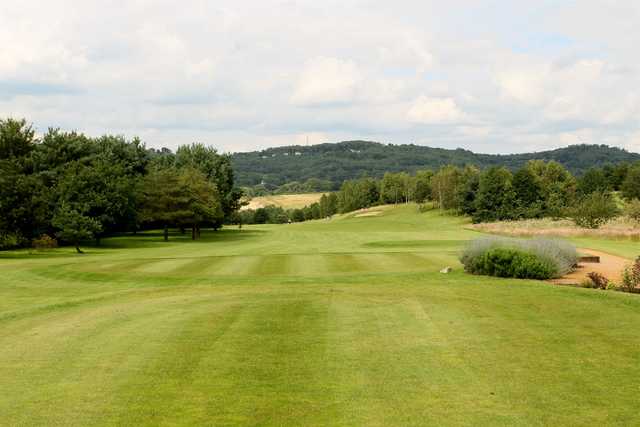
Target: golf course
{"type": "Point", "coordinates": [342, 321]}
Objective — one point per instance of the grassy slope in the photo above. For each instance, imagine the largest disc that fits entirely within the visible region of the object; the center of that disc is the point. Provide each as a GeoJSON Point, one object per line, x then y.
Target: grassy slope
{"type": "Point", "coordinates": [329, 322]}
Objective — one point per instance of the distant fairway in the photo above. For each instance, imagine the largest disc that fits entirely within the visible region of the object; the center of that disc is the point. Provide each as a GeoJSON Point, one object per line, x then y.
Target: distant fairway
{"type": "Point", "coordinates": [286, 201]}
{"type": "Point", "coordinates": [331, 322]}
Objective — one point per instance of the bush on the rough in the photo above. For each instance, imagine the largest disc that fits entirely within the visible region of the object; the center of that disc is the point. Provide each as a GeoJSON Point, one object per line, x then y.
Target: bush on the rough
{"type": "Point", "coordinates": [631, 277]}
{"type": "Point", "coordinates": [633, 210]}
{"type": "Point", "coordinates": [503, 262]}
{"type": "Point", "coordinates": [598, 281]}
{"type": "Point", "coordinates": [9, 240]}
{"type": "Point", "coordinates": [519, 258]}
{"type": "Point", "coordinates": [45, 242]}
{"type": "Point", "coordinates": [594, 210]}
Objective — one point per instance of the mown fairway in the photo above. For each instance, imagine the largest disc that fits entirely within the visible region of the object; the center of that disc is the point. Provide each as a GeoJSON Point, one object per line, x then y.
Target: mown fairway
{"type": "Point", "coordinates": [341, 322]}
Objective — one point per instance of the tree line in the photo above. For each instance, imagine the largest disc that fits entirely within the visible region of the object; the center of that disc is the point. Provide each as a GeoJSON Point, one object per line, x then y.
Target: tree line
{"type": "Point", "coordinates": [336, 163]}
{"type": "Point", "coordinates": [76, 187]}
{"type": "Point", "coordinates": [538, 189]}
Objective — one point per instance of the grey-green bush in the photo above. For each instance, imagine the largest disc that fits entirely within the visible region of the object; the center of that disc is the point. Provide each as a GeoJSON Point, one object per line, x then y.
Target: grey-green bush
{"type": "Point", "coordinates": [553, 258]}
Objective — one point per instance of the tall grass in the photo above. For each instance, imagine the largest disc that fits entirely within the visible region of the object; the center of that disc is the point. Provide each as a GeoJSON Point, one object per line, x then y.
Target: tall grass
{"type": "Point", "coordinates": [559, 254]}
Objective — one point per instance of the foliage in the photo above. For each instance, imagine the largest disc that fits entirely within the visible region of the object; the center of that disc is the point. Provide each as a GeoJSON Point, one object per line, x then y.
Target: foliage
{"type": "Point", "coordinates": [10, 240]}
{"type": "Point", "coordinates": [357, 194]}
{"type": "Point", "coordinates": [74, 225]}
{"type": "Point", "coordinates": [17, 138]}
{"type": "Point", "coordinates": [529, 194]}
{"type": "Point", "coordinates": [596, 280]}
{"type": "Point", "coordinates": [631, 277]}
{"type": "Point", "coordinates": [423, 190]}
{"type": "Point", "coordinates": [632, 210]}
{"type": "Point", "coordinates": [506, 262]}
{"type": "Point", "coordinates": [594, 180]}
{"type": "Point", "coordinates": [444, 186]}
{"type": "Point", "coordinates": [105, 179]}
{"type": "Point", "coordinates": [217, 169]}
{"type": "Point", "coordinates": [496, 196]}
{"type": "Point", "coordinates": [480, 255]}
{"type": "Point", "coordinates": [261, 216]}
{"type": "Point", "coordinates": [396, 187]}
{"type": "Point", "coordinates": [44, 242]}
{"type": "Point", "coordinates": [631, 185]}
{"type": "Point", "coordinates": [594, 210]}
{"type": "Point", "coordinates": [467, 190]}
{"type": "Point", "coordinates": [179, 198]}
{"type": "Point", "coordinates": [352, 159]}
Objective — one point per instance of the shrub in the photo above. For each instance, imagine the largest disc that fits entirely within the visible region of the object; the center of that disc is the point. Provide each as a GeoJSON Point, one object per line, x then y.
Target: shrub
{"type": "Point", "coordinates": [45, 242]}
{"type": "Point", "coordinates": [631, 277]}
{"type": "Point", "coordinates": [633, 210]}
{"type": "Point", "coordinates": [520, 258]}
{"type": "Point", "coordinates": [10, 240]}
{"type": "Point", "coordinates": [504, 262]}
{"type": "Point", "coordinates": [597, 280]}
{"type": "Point", "coordinates": [594, 210]}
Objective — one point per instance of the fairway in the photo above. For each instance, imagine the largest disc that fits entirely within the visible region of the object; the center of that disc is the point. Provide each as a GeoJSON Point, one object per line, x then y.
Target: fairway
{"type": "Point", "coordinates": [331, 322]}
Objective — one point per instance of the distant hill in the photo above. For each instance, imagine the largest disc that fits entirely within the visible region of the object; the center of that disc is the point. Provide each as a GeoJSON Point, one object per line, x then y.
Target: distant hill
{"type": "Point", "coordinates": [352, 159]}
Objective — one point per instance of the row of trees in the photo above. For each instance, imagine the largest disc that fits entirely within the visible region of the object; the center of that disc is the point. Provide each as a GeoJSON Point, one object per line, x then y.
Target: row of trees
{"type": "Point", "coordinates": [349, 160]}
{"type": "Point", "coordinates": [538, 189]}
{"type": "Point", "coordinates": [311, 185]}
{"type": "Point", "coordinates": [78, 187]}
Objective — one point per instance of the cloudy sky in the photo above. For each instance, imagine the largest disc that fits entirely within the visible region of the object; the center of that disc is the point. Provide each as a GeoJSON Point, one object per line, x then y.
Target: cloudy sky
{"type": "Point", "coordinates": [491, 76]}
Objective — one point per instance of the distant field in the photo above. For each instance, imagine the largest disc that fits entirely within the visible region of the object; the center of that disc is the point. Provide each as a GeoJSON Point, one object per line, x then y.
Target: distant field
{"type": "Point", "coordinates": [286, 201]}
{"type": "Point", "coordinates": [334, 322]}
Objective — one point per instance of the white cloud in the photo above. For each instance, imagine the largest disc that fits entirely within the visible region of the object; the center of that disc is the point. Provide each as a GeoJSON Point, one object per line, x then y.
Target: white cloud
{"type": "Point", "coordinates": [241, 75]}
{"type": "Point", "coordinates": [427, 110]}
{"type": "Point", "coordinates": [327, 81]}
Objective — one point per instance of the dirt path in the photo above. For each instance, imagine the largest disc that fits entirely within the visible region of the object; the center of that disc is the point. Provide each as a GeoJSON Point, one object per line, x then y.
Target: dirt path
{"type": "Point", "coordinates": [610, 266]}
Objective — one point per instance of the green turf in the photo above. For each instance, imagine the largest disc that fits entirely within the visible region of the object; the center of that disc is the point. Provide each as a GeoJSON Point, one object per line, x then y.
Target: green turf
{"type": "Point", "coordinates": [341, 322]}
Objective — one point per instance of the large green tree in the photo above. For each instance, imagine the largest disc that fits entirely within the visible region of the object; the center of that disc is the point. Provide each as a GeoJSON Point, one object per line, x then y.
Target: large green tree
{"type": "Point", "coordinates": [444, 186]}
{"type": "Point", "coordinates": [631, 184]}
{"type": "Point", "coordinates": [74, 226]}
{"type": "Point", "coordinates": [496, 196]}
{"type": "Point", "coordinates": [593, 180]}
{"type": "Point", "coordinates": [217, 168]}
{"type": "Point", "coordinates": [529, 195]}
{"type": "Point", "coordinates": [163, 201]}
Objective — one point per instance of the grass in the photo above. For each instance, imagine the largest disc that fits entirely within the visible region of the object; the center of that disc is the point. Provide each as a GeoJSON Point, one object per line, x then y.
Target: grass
{"type": "Point", "coordinates": [340, 322]}
{"type": "Point", "coordinates": [618, 228]}
{"type": "Point", "coordinates": [286, 201]}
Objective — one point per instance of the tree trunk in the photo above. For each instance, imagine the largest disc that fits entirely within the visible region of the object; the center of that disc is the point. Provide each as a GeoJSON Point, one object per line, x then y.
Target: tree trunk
{"type": "Point", "coordinates": [166, 233]}
{"type": "Point", "coordinates": [193, 232]}
{"type": "Point", "coordinates": [78, 248]}
{"type": "Point", "coordinates": [182, 230]}
{"type": "Point", "coordinates": [97, 240]}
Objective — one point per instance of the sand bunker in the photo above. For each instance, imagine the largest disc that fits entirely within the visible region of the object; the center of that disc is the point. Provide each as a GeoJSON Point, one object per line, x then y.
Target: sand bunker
{"type": "Point", "coordinates": [610, 266]}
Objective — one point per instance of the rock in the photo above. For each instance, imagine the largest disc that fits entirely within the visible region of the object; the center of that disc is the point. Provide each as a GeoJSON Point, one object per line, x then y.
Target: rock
{"type": "Point", "coordinates": [446, 270]}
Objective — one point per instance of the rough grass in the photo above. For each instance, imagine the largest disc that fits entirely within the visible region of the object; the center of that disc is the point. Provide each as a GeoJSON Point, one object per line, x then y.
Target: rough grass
{"type": "Point", "coordinates": [620, 227]}
{"type": "Point", "coordinates": [341, 322]}
{"type": "Point", "coordinates": [286, 201]}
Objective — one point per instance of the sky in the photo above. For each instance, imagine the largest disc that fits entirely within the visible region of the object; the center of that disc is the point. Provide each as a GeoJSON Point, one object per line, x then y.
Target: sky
{"type": "Point", "coordinates": [489, 76]}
